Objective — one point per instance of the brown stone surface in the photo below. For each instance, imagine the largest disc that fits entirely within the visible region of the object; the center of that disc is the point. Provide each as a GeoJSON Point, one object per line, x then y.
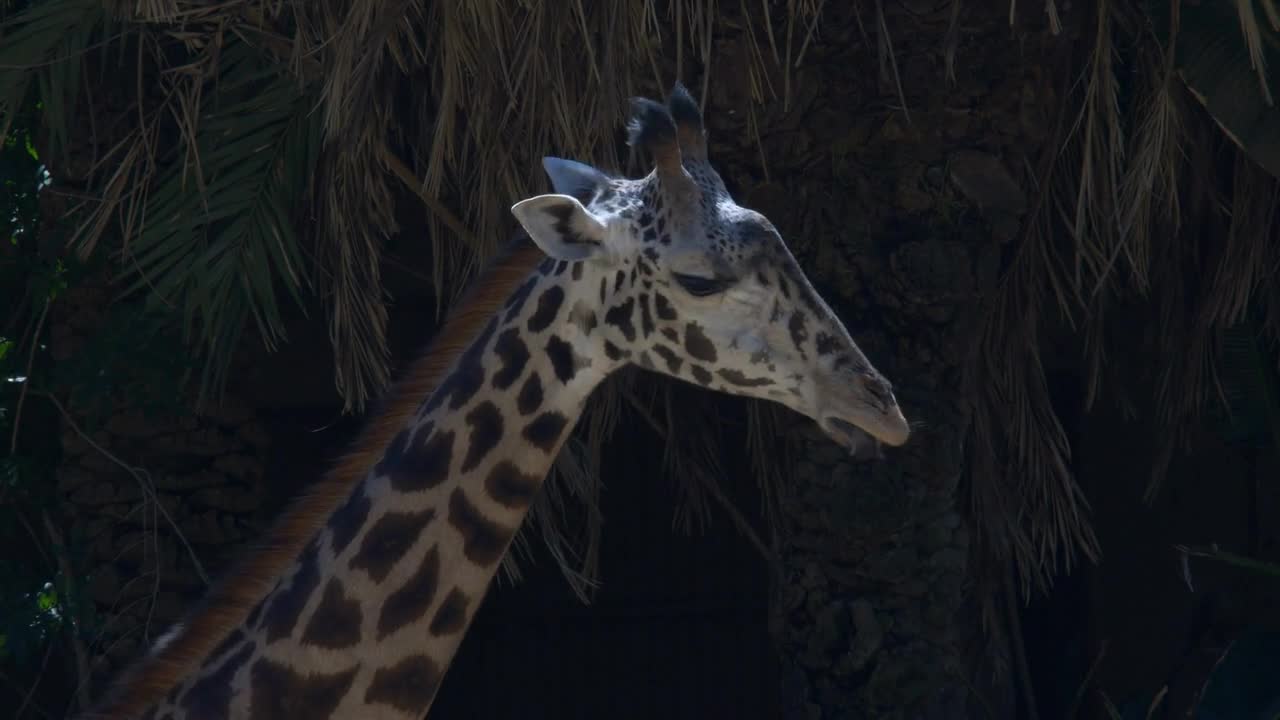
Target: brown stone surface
{"type": "Point", "coordinates": [204, 472]}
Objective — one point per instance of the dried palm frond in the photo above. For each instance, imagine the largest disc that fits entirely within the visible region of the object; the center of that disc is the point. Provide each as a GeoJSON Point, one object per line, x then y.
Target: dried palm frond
{"type": "Point", "coordinates": [473, 146]}
{"type": "Point", "coordinates": [1134, 184]}
{"type": "Point", "coordinates": [1223, 53]}
{"type": "Point", "coordinates": [1028, 508]}
{"type": "Point", "coordinates": [1150, 186]}
{"type": "Point", "coordinates": [1094, 222]}
{"type": "Point", "coordinates": [1252, 33]}
{"type": "Point", "coordinates": [1238, 269]}
{"type": "Point", "coordinates": [1031, 510]}
{"type": "Point", "coordinates": [243, 116]}
{"type": "Point", "coordinates": [1229, 275]}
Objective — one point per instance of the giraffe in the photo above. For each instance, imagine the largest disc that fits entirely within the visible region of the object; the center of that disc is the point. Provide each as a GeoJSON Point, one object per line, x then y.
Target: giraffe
{"type": "Point", "coordinates": [361, 595]}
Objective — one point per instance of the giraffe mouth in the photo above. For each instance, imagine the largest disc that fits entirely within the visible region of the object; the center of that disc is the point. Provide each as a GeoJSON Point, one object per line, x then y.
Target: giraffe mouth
{"type": "Point", "coordinates": [860, 444]}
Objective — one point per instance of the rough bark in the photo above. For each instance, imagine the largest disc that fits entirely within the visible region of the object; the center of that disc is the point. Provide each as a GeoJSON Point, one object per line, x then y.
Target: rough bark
{"type": "Point", "coordinates": [903, 214]}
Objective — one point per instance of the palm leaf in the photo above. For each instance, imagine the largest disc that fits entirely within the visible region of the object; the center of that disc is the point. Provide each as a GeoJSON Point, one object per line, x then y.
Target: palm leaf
{"type": "Point", "coordinates": [219, 237]}
{"type": "Point", "coordinates": [1252, 410]}
{"type": "Point", "coordinates": [44, 43]}
{"type": "Point", "coordinates": [1222, 52]}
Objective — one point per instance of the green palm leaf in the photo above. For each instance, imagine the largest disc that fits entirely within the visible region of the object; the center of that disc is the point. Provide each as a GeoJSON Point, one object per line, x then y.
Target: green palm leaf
{"type": "Point", "coordinates": [45, 42]}
{"type": "Point", "coordinates": [219, 241]}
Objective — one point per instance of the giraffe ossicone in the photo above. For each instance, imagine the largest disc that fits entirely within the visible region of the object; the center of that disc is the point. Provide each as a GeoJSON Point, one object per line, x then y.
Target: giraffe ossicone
{"type": "Point", "coordinates": [358, 601]}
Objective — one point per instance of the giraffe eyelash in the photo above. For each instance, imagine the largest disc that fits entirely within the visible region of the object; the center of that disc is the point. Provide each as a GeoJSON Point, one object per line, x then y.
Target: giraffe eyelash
{"type": "Point", "coordinates": [700, 286]}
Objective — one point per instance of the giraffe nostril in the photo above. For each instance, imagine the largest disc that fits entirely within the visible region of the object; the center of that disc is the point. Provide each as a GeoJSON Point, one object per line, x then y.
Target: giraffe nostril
{"type": "Point", "coordinates": [880, 391]}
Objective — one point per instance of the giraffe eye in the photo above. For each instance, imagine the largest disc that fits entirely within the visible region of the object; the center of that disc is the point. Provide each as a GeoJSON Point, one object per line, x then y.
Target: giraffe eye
{"type": "Point", "coordinates": [700, 286]}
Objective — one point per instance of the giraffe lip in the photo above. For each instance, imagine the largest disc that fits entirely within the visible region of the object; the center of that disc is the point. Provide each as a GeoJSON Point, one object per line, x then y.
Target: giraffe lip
{"type": "Point", "coordinates": [860, 444]}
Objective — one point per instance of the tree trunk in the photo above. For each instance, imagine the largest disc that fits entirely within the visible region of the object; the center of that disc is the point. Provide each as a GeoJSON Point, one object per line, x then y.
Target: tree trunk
{"type": "Point", "coordinates": [901, 212]}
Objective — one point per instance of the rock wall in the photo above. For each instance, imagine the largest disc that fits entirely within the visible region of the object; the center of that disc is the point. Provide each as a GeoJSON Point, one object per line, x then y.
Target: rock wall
{"type": "Point", "coordinates": [155, 502]}
{"type": "Point", "coordinates": [900, 191]}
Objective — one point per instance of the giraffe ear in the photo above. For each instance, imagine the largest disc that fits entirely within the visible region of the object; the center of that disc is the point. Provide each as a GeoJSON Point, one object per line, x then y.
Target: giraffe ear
{"type": "Point", "coordinates": [569, 177]}
{"type": "Point", "coordinates": [561, 226]}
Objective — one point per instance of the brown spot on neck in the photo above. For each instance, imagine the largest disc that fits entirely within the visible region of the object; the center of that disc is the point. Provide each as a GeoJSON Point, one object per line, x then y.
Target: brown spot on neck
{"type": "Point", "coordinates": [483, 540]}
{"type": "Point", "coordinates": [287, 603]}
{"type": "Point", "coordinates": [424, 463]}
{"type": "Point", "coordinates": [393, 535]}
{"type": "Point", "coordinates": [486, 425]}
{"type": "Point", "coordinates": [411, 600]}
{"type": "Point", "coordinates": [510, 486]}
{"type": "Point", "coordinates": [409, 685]}
{"type": "Point", "coordinates": [530, 397]}
{"type": "Point", "coordinates": [545, 430]}
{"type": "Point", "coordinates": [513, 354]}
{"type": "Point", "coordinates": [451, 618]}
{"type": "Point", "coordinates": [335, 624]}
{"type": "Point", "coordinates": [278, 692]}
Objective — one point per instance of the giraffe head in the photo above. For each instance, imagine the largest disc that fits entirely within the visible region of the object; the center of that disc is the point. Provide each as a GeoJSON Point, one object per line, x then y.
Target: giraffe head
{"type": "Point", "coordinates": [695, 286]}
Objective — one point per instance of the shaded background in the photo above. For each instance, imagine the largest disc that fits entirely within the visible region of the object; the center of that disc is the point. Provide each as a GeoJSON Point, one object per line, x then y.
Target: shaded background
{"type": "Point", "coordinates": [1075, 301]}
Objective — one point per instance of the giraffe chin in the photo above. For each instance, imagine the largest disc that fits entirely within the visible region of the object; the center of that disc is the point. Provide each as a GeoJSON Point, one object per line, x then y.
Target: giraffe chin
{"type": "Point", "coordinates": [860, 444]}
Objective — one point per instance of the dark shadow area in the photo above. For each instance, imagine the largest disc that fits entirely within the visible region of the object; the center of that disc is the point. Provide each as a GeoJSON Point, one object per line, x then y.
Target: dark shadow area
{"type": "Point", "coordinates": [678, 628]}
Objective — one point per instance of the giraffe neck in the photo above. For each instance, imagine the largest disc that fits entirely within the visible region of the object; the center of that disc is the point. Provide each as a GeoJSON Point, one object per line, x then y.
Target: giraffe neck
{"type": "Point", "coordinates": [368, 618]}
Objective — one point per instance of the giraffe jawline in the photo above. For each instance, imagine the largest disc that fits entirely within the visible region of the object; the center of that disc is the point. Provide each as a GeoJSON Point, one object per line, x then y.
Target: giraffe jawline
{"type": "Point", "coordinates": [860, 444]}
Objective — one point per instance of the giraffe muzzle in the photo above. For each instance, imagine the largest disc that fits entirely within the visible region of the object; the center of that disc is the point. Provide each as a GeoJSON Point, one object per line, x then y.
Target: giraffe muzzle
{"type": "Point", "coordinates": [865, 429]}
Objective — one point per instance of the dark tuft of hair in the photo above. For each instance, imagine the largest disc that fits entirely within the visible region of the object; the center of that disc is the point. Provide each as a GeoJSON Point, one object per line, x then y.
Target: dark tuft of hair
{"type": "Point", "coordinates": [684, 109]}
{"type": "Point", "coordinates": [651, 124]}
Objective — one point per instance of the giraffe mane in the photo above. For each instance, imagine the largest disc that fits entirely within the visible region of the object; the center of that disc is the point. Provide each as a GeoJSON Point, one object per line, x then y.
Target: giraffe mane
{"type": "Point", "coordinates": [259, 568]}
